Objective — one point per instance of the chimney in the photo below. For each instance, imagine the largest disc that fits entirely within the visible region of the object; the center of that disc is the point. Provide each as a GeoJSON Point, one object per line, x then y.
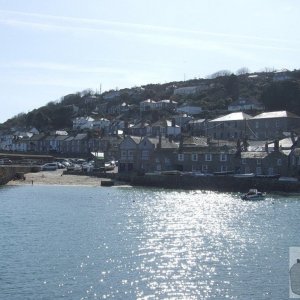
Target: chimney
{"type": "Point", "coordinates": [267, 147]}
{"type": "Point", "coordinates": [276, 145]}
{"type": "Point", "coordinates": [159, 142]}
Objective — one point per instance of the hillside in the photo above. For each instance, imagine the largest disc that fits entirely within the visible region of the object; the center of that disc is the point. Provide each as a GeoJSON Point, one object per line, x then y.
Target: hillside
{"type": "Point", "coordinates": [276, 90]}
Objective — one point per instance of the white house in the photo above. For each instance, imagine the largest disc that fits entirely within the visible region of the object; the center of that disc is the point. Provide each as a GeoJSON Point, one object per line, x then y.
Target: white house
{"type": "Point", "coordinates": [166, 104]}
{"type": "Point", "coordinates": [6, 141]}
{"type": "Point", "coordinates": [147, 105]}
{"type": "Point", "coordinates": [83, 123]}
{"type": "Point", "coordinates": [101, 124]}
{"type": "Point", "coordinates": [190, 110]}
{"type": "Point", "coordinates": [243, 104]}
{"type": "Point", "coordinates": [172, 129]}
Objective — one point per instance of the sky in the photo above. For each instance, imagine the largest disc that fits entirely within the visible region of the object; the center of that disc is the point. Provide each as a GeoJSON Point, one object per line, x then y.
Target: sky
{"type": "Point", "coordinates": [53, 48]}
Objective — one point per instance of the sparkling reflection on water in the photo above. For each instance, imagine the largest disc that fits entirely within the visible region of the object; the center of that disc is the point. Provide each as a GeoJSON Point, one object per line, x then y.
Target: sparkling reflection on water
{"type": "Point", "coordinates": [128, 243]}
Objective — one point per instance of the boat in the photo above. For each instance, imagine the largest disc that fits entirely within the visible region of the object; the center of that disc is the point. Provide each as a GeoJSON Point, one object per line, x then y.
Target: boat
{"type": "Point", "coordinates": [245, 175]}
{"type": "Point", "coordinates": [253, 194]}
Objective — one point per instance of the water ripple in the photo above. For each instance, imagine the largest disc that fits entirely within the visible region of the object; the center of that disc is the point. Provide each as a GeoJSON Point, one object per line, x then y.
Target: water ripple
{"type": "Point", "coordinates": [135, 243]}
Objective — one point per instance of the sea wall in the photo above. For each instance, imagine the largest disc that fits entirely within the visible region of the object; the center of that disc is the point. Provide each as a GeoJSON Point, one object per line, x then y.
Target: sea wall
{"type": "Point", "coordinates": [216, 183]}
{"type": "Point", "coordinates": [8, 173]}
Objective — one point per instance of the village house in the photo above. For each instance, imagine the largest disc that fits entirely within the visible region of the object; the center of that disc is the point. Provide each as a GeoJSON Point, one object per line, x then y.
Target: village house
{"type": "Point", "coordinates": [245, 104]}
{"type": "Point", "coordinates": [197, 127]}
{"type": "Point", "coordinates": [192, 90]}
{"type": "Point", "coordinates": [272, 125]}
{"type": "Point", "coordinates": [147, 105]}
{"type": "Point", "coordinates": [139, 129]}
{"type": "Point", "coordinates": [166, 104]}
{"type": "Point", "coordinates": [146, 154]}
{"type": "Point", "coordinates": [204, 156]}
{"type": "Point", "coordinates": [113, 109]}
{"type": "Point", "coordinates": [165, 128]}
{"type": "Point", "coordinates": [230, 127]}
{"type": "Point", "coordinates": [79, 144]}
{"type": "Point", "coordinates": [265, 163]}
{"type": "Point", "coordinates": [21, 143]}
{"type": "Point", "coordinates": [6, 141]}
{"type": "Point", "coordinates": [128, 155]}
{"type": "Point", "coordinates": [35, 144]}
{"type": "Point", "coordinates": [109, 145]}
{"type": "Point", "coordinates": [189, 109]}
{"type": "Point", "coordinates": [163, 156]}
{"type": "Point", "coordinates": [102, 124]}
{"type": "Point", "coordinates": [67, 145]}
{"type": "Point", "coordinates": [111, 95]}
{"type": "Point", "coordinates": [83, 123]}
{"type": "Point", "coordinates": [117, 127]}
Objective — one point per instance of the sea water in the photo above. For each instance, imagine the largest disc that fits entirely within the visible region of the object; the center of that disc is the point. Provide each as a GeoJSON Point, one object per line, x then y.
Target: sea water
{"type": "Point", "coordinates": [60, 242]}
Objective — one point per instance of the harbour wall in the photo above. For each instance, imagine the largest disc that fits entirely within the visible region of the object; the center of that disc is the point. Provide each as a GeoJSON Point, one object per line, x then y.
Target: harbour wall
{"type": "Point", "coordinates": [216, 183]}
{"type": "Point", "coordinates": [7, 173]}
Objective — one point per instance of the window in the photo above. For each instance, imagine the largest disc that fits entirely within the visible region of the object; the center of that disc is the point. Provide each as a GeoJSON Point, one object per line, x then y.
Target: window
{"type": "Point", "coordinates": [279, 162]}
{"type": "Point", "coordinates": [258, 171]}
{"type": "Point", "coordinates": [145, 154]}
{"type": "Point", "coordinates": [130, 154]}
{"type": "Point", "coordinates": [194, 157]}
{"type": "Point", "coordinates": [277, 124]}
{"type": "Point", "coordinates": [181, 157]}
{"type": "Point", "coordinates": [256, 124]}
{"type": "Point", "coordinates": [123, 153]}
{"type": "Point", "coordinates": [258, 161]}
{"type": "Point", "coordinates": [243, 161]}
{"type": "Point", "coordinates": [223, 157]}
{"type": "Point", "coordinates": [208, 157]}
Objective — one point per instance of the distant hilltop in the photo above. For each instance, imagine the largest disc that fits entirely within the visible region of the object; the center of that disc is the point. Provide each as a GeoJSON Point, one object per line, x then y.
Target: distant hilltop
{"type": "Point", "coordinates": [271, 90]}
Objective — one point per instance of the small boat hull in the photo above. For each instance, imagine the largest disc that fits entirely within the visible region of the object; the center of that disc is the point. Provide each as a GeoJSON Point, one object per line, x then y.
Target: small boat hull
{"type": "Point", "coordinates": [253, 195]}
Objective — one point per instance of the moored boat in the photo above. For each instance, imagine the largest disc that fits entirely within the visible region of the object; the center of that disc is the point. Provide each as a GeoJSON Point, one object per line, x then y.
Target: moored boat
{"type": "Point", "coordinates": [253, 194]}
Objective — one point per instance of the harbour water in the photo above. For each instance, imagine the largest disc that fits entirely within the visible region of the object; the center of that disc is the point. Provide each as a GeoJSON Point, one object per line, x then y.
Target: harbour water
{"type": "Point", "coordinates": [59, 242]}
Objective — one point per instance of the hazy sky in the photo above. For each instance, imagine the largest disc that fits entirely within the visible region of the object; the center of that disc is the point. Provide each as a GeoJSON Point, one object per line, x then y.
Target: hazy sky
{"type": "Point", "coordinates": [53, 48]}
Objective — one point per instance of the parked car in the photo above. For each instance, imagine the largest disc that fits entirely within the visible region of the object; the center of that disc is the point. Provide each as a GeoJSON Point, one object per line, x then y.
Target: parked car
{"type": "Point", "coordinates": [49, 167]}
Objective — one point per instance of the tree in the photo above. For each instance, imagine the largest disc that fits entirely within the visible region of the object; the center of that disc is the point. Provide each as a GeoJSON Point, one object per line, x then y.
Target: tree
{"type": "Point", "coordinates": [232, 86]}
{"type": "Point", "coordinates": [282, 95]}
{"type": "Point", "coordinates": [242, 71]}
{"type": "Point", "coordinates": [220, 73]}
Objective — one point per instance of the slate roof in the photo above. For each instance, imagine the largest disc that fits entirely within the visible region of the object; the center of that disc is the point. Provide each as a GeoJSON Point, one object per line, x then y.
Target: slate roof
{"type": "Point", "coordinates": [165, 143]}
{"type": "Point", "coordinates": [236, 116]}
{"type": "Point", "coordinates": [254, 154]}
{"type": "Point", "coordinates": [276, 114]}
